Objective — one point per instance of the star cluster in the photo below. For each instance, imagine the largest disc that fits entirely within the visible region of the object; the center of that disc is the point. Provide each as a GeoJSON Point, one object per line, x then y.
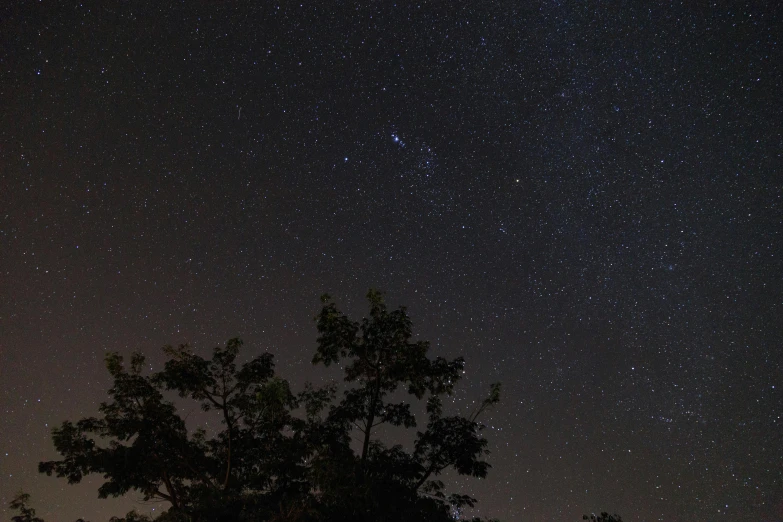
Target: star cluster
{"type": "Point", "coordinates": [582, 198]}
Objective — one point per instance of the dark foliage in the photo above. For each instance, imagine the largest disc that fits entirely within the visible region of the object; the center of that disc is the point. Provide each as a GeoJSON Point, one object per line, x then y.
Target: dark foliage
{"type": "Point", "coordinates": [281, 456]}
{"type": "Point", "coordinates": [26, 513]}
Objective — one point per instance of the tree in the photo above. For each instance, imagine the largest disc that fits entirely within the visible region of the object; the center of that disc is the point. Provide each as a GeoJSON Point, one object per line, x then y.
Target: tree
{"type": "Point", "coordinates": [278, 455]}
{"type": "Point", "coordinates": [26, 513]}
{"type": "Point", "coordinates": [379, 359]}
{"type": "Point", "coordinates": [141, 444]}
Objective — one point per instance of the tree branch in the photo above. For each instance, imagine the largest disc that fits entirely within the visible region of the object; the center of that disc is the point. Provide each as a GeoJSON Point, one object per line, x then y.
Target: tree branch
{"type": "Point", "coordinates": [170, 488]}
{"type": "Point", "coordinates": [229, 429]}
{"type": "Point", "coordinates": [164, 496]}
{"type": "Point", "coordinates": [371, 417]}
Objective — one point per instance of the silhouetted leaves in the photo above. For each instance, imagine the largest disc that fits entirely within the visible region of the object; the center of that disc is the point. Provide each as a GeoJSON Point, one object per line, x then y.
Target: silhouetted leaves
{"type": "Point", "coordinates": [380, 358]}
{"type": "Point", "coordinates": [280, 455]}
{"type": "Point", "coordinates": [26, 513]}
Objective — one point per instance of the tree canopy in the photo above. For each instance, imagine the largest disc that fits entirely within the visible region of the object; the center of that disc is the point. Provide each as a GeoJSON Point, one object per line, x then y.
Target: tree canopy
{"type": "Point", "coordinates": [280, 455]}
{"type": "Point", "coordinates": [603, 517]}
{"type": "Point", "coordinates": [26, 513]}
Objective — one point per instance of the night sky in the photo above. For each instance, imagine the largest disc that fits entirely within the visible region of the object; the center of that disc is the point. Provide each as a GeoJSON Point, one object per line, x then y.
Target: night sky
{"type": "Point", "coordinates": [583, 198]}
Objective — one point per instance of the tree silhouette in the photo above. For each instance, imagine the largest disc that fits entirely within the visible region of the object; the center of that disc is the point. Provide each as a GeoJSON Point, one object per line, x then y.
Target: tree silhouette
{"type": "Point", "coordinates": [26, 513]}
{"type": "Point", "coordinates": [141, 443]}
{"type": "Point", "coordinates": [279, 455]}
{"type": "Point", "coordinates": [386, 482]}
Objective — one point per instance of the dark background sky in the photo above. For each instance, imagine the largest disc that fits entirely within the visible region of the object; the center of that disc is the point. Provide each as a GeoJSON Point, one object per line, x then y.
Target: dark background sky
{"type": "Point", "coordinates": [584, 199]}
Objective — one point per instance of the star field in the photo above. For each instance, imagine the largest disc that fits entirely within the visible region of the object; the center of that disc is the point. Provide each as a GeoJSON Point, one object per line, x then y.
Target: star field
{"type": "Point", "coordinates": [584, 199]}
